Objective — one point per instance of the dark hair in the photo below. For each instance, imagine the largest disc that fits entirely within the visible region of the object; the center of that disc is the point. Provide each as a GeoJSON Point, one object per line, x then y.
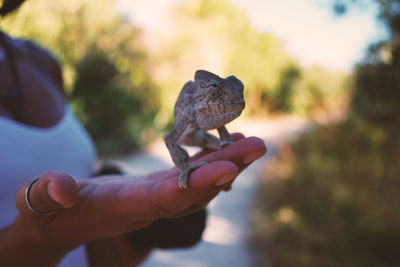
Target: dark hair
{"type": "Point", "coordinates": [9, 6]}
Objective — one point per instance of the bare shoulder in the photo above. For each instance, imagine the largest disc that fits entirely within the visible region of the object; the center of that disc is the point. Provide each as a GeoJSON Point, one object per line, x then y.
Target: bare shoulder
{"type": "Point", "coordinates": [51, 63]}
{"type": "Point", "coordinates": [42, 58]}
{"type": "Point", "coordinates": [40, 81]}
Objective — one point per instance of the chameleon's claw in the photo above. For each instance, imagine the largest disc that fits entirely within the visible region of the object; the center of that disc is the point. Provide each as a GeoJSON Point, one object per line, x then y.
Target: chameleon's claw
{"type": "Point", "coordinates": [225, 143]}
{"type": "Point", "coordinates": [184, 176]}
{"type": "Point", "coordinates": [183, 184]}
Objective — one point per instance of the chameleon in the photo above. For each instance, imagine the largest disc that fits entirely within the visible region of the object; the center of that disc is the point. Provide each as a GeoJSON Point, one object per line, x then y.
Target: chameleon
{"type": "Point", "coordinates": [209, 102]}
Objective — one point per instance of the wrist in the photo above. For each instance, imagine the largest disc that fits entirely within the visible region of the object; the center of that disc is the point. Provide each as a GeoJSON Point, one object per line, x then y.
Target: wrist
{"type": "Point", "coordinates": [25, 244]}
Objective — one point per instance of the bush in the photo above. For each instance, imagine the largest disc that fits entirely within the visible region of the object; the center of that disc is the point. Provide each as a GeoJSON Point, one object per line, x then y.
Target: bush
{"type": "Point", "coordinates": [109, 106]}
{"type": "Point", "coordinates": [332, 199]}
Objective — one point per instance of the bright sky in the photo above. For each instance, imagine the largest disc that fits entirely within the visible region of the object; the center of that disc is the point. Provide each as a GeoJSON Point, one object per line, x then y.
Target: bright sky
{"type": "Point", "coordinates": [313, 34]}
{"type": "Point", "coordinates": [308, 28]}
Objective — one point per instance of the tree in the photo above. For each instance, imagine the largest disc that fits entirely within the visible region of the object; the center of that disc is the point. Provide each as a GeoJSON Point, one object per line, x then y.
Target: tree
{"type": "Point", "coordinates": [377, 80]}
{"type": "Point", "coordinates": [218, 36]}
{"type": "Point", "coordinates": [105, 66]}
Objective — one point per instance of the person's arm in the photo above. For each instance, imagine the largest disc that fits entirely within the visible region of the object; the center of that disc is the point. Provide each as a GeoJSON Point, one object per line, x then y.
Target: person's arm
{"type": "Point", "coordinates": [102, 208]}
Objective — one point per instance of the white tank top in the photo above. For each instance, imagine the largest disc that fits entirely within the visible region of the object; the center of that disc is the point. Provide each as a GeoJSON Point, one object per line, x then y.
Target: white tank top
{"type": "Point", "coordinates": [27, 151]}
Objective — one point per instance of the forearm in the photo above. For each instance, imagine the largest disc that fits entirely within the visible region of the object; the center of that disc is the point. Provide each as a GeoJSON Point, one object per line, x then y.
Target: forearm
{"type": "Point", "coordinates": [23, 245]}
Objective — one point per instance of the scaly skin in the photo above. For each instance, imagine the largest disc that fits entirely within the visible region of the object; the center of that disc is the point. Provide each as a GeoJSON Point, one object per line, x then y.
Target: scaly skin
{"type": "Point", "coordinates": [209, 102]}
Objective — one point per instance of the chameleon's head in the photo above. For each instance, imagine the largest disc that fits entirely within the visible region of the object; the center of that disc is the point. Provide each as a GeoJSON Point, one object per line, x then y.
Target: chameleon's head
{"type": "Point", "coordinates": [217, 101]}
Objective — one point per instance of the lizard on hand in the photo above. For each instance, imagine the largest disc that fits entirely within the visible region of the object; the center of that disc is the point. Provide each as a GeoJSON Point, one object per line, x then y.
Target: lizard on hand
{"type": "Point", "coordinates": [209, 102]}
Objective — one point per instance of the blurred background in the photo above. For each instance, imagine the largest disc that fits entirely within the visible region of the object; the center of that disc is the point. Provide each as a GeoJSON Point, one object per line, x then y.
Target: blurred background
{"type": "Point", "coordinates": [327, 196]}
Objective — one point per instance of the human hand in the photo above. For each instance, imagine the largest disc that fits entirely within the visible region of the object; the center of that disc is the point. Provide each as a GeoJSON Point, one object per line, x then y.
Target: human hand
{"type": "Point", "coordinates": [107, 206]}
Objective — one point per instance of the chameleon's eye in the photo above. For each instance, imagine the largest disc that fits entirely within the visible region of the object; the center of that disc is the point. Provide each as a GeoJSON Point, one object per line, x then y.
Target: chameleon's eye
{"type": "Point", "coordinates": [209, 85]}
{"type": "Point", "coordinates": [206, 85]}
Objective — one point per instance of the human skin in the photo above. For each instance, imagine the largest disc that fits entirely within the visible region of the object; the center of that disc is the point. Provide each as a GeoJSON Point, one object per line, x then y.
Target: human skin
{"type": "Point", "coordinates": [100, 210]}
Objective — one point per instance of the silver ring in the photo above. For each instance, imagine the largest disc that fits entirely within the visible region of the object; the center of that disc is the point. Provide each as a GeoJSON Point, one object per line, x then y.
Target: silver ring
{"type": "Point", "coordinates": [28, 203]}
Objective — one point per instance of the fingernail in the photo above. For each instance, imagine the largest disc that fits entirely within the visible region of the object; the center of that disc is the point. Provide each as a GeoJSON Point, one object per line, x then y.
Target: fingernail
{"type": "Point", "coordinates": [252, 157]}
{"type": "Point", "coordinates": [50, 191]}
{"type": "Point", "coordinates": [225, 179]}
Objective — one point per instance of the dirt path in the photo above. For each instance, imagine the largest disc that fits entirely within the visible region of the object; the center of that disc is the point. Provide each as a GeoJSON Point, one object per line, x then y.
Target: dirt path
{"type": "Point", "coordinates": [224, 240]}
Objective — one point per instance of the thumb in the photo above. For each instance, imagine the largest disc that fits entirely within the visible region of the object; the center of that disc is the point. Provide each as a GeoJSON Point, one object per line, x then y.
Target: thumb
{"type": "Point", "coordinates": [52, 191]}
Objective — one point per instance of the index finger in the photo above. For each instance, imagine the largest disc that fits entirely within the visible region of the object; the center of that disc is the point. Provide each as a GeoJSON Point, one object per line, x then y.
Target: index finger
{"type": "Point", "coordinates": [241, 153]}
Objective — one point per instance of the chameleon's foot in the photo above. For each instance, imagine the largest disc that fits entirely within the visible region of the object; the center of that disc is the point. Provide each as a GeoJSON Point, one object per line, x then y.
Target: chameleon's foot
{"type": "Point", "coordinates": [225, 143]}
{"type": "Point", "coordinates": [184, 176]}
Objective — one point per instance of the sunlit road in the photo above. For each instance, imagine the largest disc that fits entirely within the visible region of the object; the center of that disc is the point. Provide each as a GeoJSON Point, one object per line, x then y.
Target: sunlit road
{"type": "Point", "coordinates": [224, 240]}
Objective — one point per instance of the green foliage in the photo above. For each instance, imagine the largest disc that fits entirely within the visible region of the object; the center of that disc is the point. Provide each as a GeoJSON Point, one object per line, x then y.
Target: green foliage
{"type": "Point", "coordinates": [210, 8]}
{"type": "Point", "coordinates": [377, 92]}
{"type": "Point", "coordinates": [377, 95]}
{"type": "Point", "coordinates": [332, 199]}
{"type": "Point", "coordinates": [283, 96]}
{"type": "Point", "coordinates": [200, 37]}
{"type": "Point", "coordinates": [70, 29]}
{"type": "Point", "coordinates": [218, 36]}
{"type": "Point", "coordinates": [105, 67]}
{"type": "Point", "coordinates": [377, 87]}
{"type": "Point", "coordinates": [318, 90]}
{"type": "Point", "coordinates": [261, 62]}
{"type": "Point", "coordinates": [112, 112]}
